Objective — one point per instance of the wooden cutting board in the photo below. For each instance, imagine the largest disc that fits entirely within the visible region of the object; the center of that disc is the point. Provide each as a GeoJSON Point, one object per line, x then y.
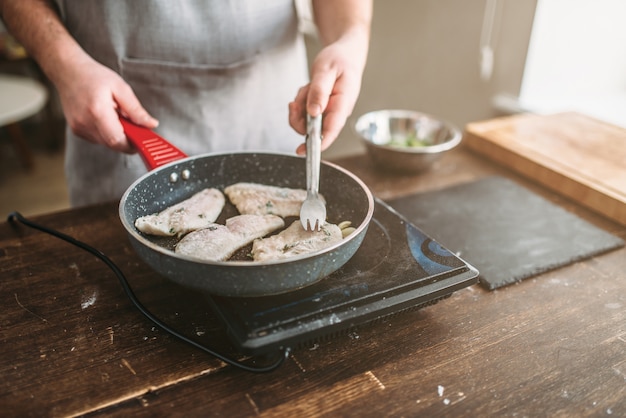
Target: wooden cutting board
{"type": "Point", "coordinates": [573, 154]}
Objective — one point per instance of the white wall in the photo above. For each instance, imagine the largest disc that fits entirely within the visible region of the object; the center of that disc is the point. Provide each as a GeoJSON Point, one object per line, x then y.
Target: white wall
{"type": "Point", "coordinates": [424, 55]}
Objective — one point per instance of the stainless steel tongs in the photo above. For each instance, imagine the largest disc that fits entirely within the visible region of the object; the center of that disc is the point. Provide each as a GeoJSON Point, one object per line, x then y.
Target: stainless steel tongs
{"type": "Point", "coordinates": [313, 211]}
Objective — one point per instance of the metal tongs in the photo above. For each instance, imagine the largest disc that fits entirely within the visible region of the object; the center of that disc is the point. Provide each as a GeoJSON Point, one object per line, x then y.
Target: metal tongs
{"type": "Point", "coordinates": [313, 211]}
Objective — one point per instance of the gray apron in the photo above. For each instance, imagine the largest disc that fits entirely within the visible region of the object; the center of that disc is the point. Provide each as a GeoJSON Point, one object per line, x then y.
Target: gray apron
{"type": "Point", "coordinates": [218, 75]}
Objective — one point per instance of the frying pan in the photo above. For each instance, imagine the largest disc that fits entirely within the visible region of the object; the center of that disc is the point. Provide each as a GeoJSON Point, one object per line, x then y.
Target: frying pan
{"type": "Point", "coordinates": [175, 177]}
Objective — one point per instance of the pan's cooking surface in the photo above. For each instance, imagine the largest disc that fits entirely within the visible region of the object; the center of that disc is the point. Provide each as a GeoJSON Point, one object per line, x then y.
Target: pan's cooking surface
{"type": "Point", "coordinates": [160, 192]}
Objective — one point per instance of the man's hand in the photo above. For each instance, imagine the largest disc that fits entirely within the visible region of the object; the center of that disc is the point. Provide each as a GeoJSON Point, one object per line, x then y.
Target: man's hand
{"type": "Point", "coordinates": [333, 90]}
{"type": "Point", "coordinates": [336, 73]}
{"type": "Point", "coordinates": [93, 97]}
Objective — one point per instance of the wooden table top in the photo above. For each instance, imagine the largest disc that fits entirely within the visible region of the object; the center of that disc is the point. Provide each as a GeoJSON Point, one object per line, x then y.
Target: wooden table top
{"type": "Point", "coordinates": [72, 343]}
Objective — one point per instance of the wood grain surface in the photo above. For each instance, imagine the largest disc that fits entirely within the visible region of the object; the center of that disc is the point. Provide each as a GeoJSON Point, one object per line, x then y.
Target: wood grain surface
{"type": "Point", "coordinates": [71, 344]}
{"type": "Point", "coordinates": [573, 154]}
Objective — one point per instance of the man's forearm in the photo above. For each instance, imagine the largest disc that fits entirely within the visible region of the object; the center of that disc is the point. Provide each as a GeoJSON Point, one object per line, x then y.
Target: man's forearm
{"type": "Point", "coordinates": [37, 26]}
{"type": "Point", "coordinates": [344, 20]}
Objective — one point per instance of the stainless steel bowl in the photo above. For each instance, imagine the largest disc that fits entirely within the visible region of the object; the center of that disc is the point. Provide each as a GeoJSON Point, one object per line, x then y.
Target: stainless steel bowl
{"type": "Point", "coordinates": [404, 140]}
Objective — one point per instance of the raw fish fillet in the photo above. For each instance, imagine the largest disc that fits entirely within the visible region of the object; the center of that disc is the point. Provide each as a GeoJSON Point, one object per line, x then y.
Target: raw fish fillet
{"type": "Point", "coordinates": [199, 211]}
{"type": "Point", "coordinates": [219, 242]}
{"type": "Point", "coordinates": [294, 241]}
{"type": "Point", "coordinates": [259, 199]}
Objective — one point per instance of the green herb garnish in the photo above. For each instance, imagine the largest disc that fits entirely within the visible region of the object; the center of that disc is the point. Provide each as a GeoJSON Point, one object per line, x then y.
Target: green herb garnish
{"type": "Point", "coordinates": [411, 141]}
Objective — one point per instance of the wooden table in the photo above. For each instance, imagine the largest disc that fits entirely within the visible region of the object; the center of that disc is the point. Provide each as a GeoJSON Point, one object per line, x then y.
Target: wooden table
{"type": "Point", "coordinates": [72, 344]}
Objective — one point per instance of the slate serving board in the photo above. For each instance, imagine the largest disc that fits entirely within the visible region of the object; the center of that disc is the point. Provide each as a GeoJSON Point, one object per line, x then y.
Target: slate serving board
{"type": "Point", "coordinates": [506, 231]}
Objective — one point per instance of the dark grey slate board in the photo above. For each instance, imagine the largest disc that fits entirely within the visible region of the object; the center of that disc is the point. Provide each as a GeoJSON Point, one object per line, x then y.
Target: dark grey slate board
{"type": "Point", "coordinates": [503, 229]}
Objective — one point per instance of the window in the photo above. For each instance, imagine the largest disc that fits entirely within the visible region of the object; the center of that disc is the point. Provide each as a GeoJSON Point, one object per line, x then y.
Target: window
{"type": "Point", "coordinates": [577, 59]}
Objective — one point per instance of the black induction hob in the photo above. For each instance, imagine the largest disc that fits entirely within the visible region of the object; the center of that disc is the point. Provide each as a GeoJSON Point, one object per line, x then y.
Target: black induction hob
{"type": "Point", "coordinates": [397, 268]}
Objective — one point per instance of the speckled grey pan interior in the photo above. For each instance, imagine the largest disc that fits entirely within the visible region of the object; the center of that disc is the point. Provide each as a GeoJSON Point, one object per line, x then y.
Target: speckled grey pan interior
{"type": "Point", "coordinates": [347, 199]}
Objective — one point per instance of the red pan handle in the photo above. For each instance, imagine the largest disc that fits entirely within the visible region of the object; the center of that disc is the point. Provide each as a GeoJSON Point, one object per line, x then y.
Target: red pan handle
{"type": "Point", "coordinates": [154, 149]}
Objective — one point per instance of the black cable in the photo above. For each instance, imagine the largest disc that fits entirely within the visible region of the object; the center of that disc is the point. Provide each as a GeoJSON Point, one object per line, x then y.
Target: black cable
{"type": "Point", "coordinates": [17, 217]}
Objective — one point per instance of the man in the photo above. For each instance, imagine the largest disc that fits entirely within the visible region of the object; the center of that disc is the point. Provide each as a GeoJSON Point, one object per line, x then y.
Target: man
{"type": "Point", "coordinates": [213, 75]}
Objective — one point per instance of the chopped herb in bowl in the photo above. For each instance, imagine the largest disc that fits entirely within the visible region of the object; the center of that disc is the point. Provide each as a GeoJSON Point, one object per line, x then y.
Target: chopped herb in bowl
{"type": "Point", "coordinates": [408, 142]}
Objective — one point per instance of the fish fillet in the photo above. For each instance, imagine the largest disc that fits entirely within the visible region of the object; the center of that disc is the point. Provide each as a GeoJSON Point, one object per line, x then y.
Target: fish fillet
{"type": "Point", "coordinates": [294, 241]}
{"type": "Point", "coordinates": [199, 211]}
{"type": "Point", "coordinates": [219, 242]}
{"type": "Point", "coordinates": [259, 199]}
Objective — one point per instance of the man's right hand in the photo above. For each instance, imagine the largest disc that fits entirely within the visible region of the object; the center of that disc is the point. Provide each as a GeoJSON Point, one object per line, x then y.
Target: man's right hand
{"type": "Point", "coordinates": [93, 97]}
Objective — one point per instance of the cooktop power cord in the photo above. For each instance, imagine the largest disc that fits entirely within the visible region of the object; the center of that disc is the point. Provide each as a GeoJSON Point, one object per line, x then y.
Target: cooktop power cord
{"type": "Point", "coordinates": [283, 354]}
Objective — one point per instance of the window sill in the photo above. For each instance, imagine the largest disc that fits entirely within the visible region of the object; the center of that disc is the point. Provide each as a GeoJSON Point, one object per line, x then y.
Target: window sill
{"type": "Point", "coordinates": [609, 108]}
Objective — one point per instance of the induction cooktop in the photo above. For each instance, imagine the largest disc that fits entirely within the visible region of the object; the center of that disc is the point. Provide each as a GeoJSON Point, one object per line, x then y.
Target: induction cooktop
{"type": "Point", "coordinates": [397, 268]}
